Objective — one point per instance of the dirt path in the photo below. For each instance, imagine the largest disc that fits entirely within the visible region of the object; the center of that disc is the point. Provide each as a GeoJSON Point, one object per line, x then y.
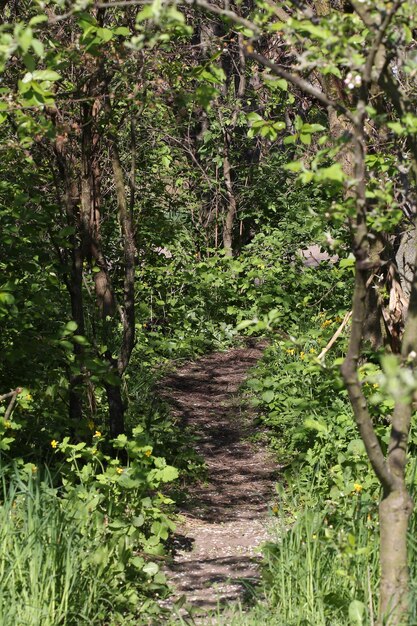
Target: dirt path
{"type": "Point", "coordinates": [226, 517]}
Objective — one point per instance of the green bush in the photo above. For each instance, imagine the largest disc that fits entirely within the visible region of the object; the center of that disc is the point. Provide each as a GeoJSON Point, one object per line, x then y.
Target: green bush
{"type": "Point", "coordinates": [57, 564]}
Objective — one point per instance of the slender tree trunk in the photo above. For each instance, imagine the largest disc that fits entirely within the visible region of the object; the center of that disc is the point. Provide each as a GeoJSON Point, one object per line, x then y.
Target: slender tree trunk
{"type": "Point", "coordinates": [74, 282]}
{"type": "Point", "coordinates": [116, 410]}
{"type": "Point", "coordinates": [230, 213]}
{"type": "Point", "coordinates": [394, 513]}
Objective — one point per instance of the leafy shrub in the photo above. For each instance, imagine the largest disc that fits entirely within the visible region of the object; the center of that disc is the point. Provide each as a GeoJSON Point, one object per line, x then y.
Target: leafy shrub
{"type": "Point", "coordinates": [97, 536]}
{"type": "Point", "coordinates": [63, 563]}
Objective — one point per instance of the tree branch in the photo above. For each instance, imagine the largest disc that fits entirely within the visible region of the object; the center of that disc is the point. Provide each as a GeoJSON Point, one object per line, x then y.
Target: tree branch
{"type": "Point", "coordinates": [370, 60]}
{"type": "Point", "coordinates": [301, 83]}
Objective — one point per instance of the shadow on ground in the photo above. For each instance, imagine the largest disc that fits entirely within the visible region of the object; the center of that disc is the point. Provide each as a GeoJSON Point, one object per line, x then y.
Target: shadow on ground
{"type": "Point", "coordinates": [216, 557]}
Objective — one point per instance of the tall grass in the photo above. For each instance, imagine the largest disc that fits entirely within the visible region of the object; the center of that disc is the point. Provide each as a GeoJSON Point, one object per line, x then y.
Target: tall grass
{"type": "Point", "coordinates": [316, 569]}
{"type": "Point", "coordinates": [47, 577]}
{"type": "Point", "coordinates": [323, 570]}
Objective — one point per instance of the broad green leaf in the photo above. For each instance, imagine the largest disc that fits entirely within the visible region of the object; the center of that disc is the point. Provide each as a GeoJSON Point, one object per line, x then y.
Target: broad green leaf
{"type": "Point", "coordinates": [80, 339]}
{"type": "Point", "coordinates": [314, 424]}
{"type": "Point", "coordinates": [38, 48]}
{"type": "Point", "coordinates": [268, 396]}
{"type": "Point", "coordinates": [46, 75]}
{"type": "Point", "coordinates": [25, 39]}
{"type": "Point", "coordinates": [145, 14]}
{"type": "Point", "coordinates": [356, 447]}
{"type": "Point", "coordinates": [122, 30]}
{"type": "Point", "coordinates": [294, 166]}
{"type": "Point", "coordinates": [396, 127]}
{"type": "Point", "coordinates": [347, 262]}
{"type": "Point", "coordinates": [105, 34]}
{"type": "Point", "coordinates": [151, 569]}
{"type": "Point", "coordinates": [254, 117]}
{"type": "Point", "coordinates": [334, 173]}
{"type": "Point", "coordinates": [356, 613]}
{"type": "Point", "coordinates": [168, 474]}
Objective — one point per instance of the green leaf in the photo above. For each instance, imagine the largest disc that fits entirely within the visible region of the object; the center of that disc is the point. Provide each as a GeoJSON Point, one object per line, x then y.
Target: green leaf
{"type": "Point", "coordinates": [313, 424]}
{"type": "Point", "coordinates": [145, 14]}
{"type": "Point", "coordinates": [138, 521]}
{"type": "Point", "coordinates": [137, 561]}
{"type": "Point", "coordinates": [254, 117]}
{"type": "Point", "coordinates": [396, 127]}
{"type": "Point", "coordinates": [356, 447]}
{"type": "Point", "coordinates": [245, 324]}
{"type": "Point", "coordinates": [334, 173]}
{"type": "Point", "coordinates": [38, 19]}
{"type": "Point", "coordinates": [6, 297]}
{"type": "Point", "coordinates": [290, 139]}
{"type": "Point", "coordinates": [29, 62]}
{"type": "Point", "coordinates": [122, 30]}
{"type": "Point", "coordinates": [312, 128]}
{"type": "Point", "coordinates": [282, 84]}
{"type": "Point", "coordinates": [168, 474]}
{"type": "Point", "coordinates": [151, 569]}
{"type": "Point", "coordinates": [294, 166]}
{"type": "Point", "coordinates": [105, 34]}
{"type": "Point", "coordinates": [80, 339]}
{"type": "Point", "coordinates": [356, 612]}
{"type": "Point", "coordinates": [38, 48]}
{"type": "Point", "coordinates": [25, 39]}
{"type": "Point", "coordinates": [347, 262]}
{"type": "Point", "coordinates": [46, 75]}
{"type": "Point", "coordinates": [268, 396]}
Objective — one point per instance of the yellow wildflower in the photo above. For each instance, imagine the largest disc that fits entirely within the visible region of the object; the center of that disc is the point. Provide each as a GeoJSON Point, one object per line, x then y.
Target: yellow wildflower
{"type": "Point", "coordinates": [290, 351]}
{"type": "Point", "coordinates": [34, 469]}
{"type": "Point", "coordinates": [91, 425]}
{"type": "Point", "coordinates": [148, 452]}
{"type": "Point", "coordinates": [326, 323]}
{"type": "Point", "coordinates": [94, 451]}
{"type": "Point", "coordinates": [28, 396]}
{"type": "Point", "coordinates": [7, 424]}
{"type": "Point", "coordinates": [275, 509]}
{"type": "Point", "coordinates": [54, 443]}
{"type": "Point", "coordinates": [119, 470]}
{"type": "Point", "coordinates": [97, 434]}
{"type": "Point", "coordinates": [357, 487]}
{"type": "Point", "coordinates": [375, 386]}
{"type": "Point", "coordinates": [302, 355]}
{"type": "Point", "coordinates": [312, 351]}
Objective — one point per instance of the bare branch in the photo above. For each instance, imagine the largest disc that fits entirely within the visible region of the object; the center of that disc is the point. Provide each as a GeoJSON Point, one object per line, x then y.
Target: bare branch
{"type": "Point", "coordinates": [336, 335]}
{"type": "Point", "coordinates": [12, 393]}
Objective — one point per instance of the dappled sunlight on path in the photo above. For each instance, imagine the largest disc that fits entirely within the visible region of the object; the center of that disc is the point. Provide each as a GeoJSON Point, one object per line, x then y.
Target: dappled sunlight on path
{"type": "Point", "coordinates": [226, 517]}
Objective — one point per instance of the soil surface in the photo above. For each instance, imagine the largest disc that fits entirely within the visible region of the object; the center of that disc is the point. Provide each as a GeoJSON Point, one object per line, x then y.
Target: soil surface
{"type": "Point", "coordinates": [225, 519]}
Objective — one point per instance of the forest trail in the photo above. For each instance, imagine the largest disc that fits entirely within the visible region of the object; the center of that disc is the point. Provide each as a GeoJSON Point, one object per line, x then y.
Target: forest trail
{"type": "Point", "coordinates": [225, 518]}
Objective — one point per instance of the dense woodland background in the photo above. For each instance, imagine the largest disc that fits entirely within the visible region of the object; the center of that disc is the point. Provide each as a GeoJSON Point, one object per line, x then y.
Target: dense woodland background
{"type": "Point", "coordinates": [166, 169]}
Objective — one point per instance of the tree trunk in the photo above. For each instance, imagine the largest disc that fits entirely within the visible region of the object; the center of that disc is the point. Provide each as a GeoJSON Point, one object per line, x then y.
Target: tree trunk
{"type": "Point", "coordinates": [394, 513]}
{"type": "Point", "coordinates": [116, 410]}
{"type": "Point", "coordinates": [230, 213]}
